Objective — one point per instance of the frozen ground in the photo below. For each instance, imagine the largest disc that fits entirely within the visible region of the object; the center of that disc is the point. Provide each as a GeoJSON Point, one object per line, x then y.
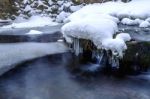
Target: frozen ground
{"type": "Point", "coordinates": [11, 54]}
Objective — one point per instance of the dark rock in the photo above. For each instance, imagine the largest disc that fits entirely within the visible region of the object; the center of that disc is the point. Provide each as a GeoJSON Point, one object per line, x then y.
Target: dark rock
{"type": "Point", "coordinates": [136, 58]}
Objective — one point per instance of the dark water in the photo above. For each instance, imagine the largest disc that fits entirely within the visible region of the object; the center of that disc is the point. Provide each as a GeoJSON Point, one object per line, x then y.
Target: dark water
{"type": "Point", "coordinates": [50, 78]}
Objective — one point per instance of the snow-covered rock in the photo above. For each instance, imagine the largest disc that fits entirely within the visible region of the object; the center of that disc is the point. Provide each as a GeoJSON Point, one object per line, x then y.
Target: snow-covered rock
{"type": "Point", "coordinates": [99, 29]}
{"type": "Point", "coordinates": [138, 21]}
{"type": "Point", "coordinates": [34, 21]}
{"type": "Point", "coordinates": [144, 24]}
{"type": "Point", "coordinates": [50, 8]}
{"type": "Point", "coordinates": [62, 16]}
{"type": "Point", "coordinates": [128, 21]}
{"type": "Point", "coordinates": [148, 19]}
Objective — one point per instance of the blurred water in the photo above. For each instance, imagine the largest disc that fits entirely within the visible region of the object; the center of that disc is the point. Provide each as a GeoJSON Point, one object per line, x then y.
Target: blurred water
{"type": "Point", "coordinates": [23, 31]}
{"type": "Point", "coordinates": [50, 78]}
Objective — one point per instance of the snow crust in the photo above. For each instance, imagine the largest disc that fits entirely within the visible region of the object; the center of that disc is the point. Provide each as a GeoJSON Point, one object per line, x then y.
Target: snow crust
{"type": "Point", "coordinates": [34, 21]}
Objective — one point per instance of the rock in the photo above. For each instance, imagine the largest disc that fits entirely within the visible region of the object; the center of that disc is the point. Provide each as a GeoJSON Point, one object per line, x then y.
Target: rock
{"type": "Point", "coordinates": [136, 58]}
{"type": "Point", "coordinates": [7, 9]}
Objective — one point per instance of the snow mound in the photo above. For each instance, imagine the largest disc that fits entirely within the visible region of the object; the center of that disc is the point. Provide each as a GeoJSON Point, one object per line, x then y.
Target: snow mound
{"type": "Point", "coordinates": [128, 21]}
{"type": "Point", "coordinates": [34, 21]}
{"type": "Point", "coordinates": [100, 29]}
{"type": "Point", "coordinates": [34, 32]}
{"type": "Point", "coordinates": [144, 24]}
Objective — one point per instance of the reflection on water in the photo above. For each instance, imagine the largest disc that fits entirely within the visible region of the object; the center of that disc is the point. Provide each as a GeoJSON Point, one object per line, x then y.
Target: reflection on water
{"type": "Point", "coordinates": [50, 78]}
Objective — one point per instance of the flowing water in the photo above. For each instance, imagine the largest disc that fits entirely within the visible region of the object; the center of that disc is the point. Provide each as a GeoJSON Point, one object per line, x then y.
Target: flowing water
{"type": "Point", "coordinates": [50, 78]}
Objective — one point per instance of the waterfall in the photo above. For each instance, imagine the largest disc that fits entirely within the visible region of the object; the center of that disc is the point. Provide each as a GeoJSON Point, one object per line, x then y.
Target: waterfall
{"type": "Point", "coordinates": [105, 58]}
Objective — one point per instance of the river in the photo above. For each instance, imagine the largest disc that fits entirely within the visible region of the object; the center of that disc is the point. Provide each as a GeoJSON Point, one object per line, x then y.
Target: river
{"type": "Point", "coordinates": [49, 78]}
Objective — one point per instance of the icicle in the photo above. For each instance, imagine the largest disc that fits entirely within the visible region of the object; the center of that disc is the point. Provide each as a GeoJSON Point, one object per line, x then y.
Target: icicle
{"type": "Point", "coordinates": [76, 47]}
{"type": "Point", "coordinates": [114, 62]}
{"type": "Point", "coordinates": [101, 56]}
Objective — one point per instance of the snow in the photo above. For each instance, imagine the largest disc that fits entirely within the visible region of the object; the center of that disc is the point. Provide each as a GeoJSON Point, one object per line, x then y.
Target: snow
{"type": "Point", "coordinates": [34, 21]}
{"type": "Point", "coordinates": [144, 24]}
{"type": "Point", "coordinates": [3, 21]}
{"type": "Point", "coordinates": [51, 8]}
{"type": "Point", "coordinates": [148, 19]}
{"type": "Point", "coordinates": [28, 8]}
{"type": "Point", "coordinates": [25, 1]}
{"type": "Point", "coordinates": [123, 36]}
{"type": "Point", "coordinates": [75, 8]}
{"type": "Point", "coordinates": [117, 45]}
{"type": "Point", "coordinates": [128, 21]}
{"type": "Point", "coordinates": [26, 51]}
{"type": "Point", "coordinates": [62, 16]}
{"type": "Point", "coordinates": [100, 30]}
{"type": "Point", "coordinates": [98, 23]}
{"type": "Point", "coordinates": [134, 9]}
{"type": "Point", "coordinates": [88, 27]}
{"type": "Point", "coordinates": [138, 21]}
{"type": "Point", "coordinates": [31, 32]}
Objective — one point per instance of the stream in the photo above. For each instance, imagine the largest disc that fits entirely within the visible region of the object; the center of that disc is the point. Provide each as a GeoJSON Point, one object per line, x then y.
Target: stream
{"type": "Point", "coordinates": [51, 76]}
